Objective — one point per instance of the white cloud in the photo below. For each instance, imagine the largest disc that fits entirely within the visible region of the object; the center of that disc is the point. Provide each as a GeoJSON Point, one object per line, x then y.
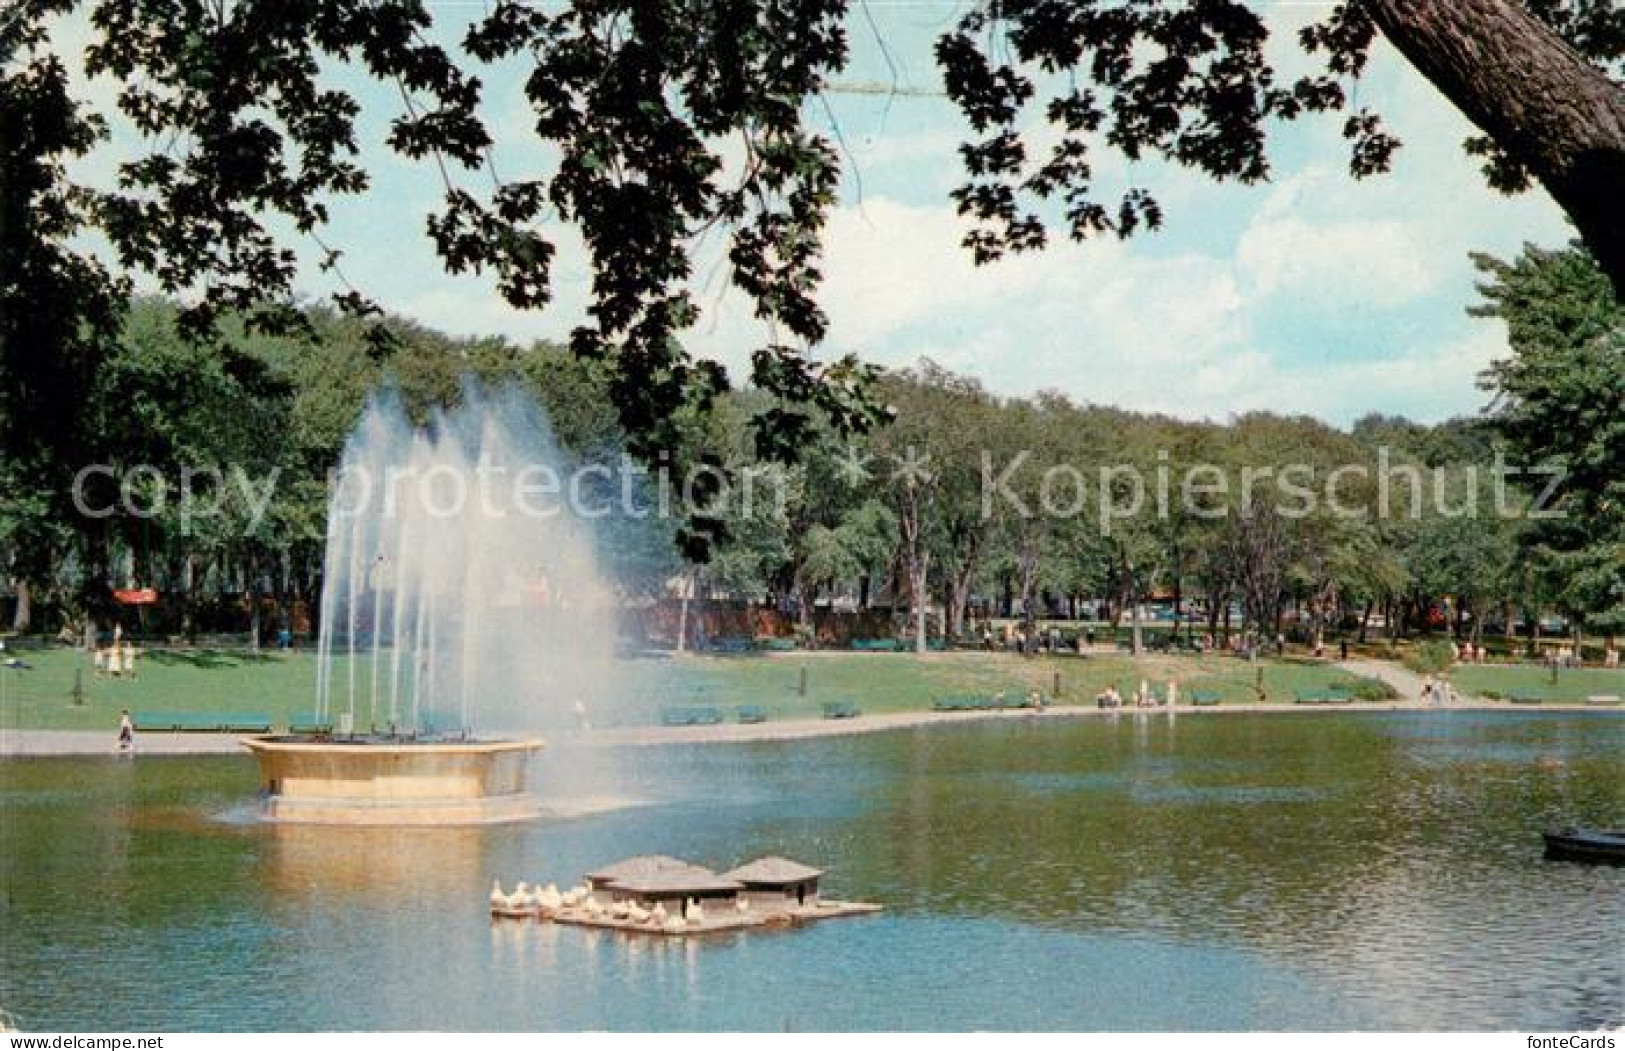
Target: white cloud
{"type": "Point", "coordinates": [1196, 320]}
{"type": "Point", "coordinates": [1334, 263]}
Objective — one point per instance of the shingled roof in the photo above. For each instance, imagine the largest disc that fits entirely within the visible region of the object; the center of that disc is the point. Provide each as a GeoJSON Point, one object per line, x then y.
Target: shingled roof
{"type": "Point", "coordinates": [773, 870]}
{"type": "Point", "coordinates": [639, 867]}
{"type": "Point", "coordinates": [689, 880]}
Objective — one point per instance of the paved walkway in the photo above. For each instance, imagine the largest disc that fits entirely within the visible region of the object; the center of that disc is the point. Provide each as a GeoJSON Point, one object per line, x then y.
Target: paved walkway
{"type": "Point", "coordinates": [105, 742]}
{"type": "Point", "coordinates": [796, 729]}
{"type": "Point", "coordinates": [1405, 682]}
{"type": "Point", "coordinates": [92, 742]}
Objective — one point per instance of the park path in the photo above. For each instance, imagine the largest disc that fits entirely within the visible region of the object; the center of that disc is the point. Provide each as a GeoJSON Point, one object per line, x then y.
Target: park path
{"type": "Point", "coordinates": [95, 742]}
{"type": "Point", "coordinates": [1406, 682]}
{"type": "Point", "coordinates": [105, 742]}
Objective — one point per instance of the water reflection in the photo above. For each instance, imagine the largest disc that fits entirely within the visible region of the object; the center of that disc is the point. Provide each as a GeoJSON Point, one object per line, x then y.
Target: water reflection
{"type": "Point", "coordinates": [340, 865]}
{"type": "Point", "coordinates": [1322, 871]}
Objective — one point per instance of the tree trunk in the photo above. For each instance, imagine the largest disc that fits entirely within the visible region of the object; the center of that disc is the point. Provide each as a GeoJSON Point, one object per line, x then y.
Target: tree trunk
{"type": "Point", "coordinates": [189, 588]}
{"type": "Point", "coordinates": [252, 590]}
{"type": "Point", "coordinates": [1179, 601]}
{"type": "Point", "coordinates": [1029, 599]}
{"type": "Point", "coordinates": [22, 617]}
{"type": "Point", "coordinates": [682, 612]}
{"type": "Point", "coordinates": [959, 598]}
{"type": "Point", "coordinates": [921, 600]}
{"type": "Point", "coordinates": [1542, 102]}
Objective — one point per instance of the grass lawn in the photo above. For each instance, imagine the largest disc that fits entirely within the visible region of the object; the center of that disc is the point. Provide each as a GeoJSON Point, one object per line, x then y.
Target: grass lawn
{"type": "Point", "coordinates": [893, 682]}
{"type": "Point", "coordinates": [279, 685]}
{"type": "Point", "coordinates": [274, 684]}
{"type": "Point", "coordinates": [1573, 684]}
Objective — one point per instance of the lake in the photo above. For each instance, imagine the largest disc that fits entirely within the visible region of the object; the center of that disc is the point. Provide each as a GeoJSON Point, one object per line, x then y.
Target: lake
{"type": "Point", "coordinates": [1275, 871]}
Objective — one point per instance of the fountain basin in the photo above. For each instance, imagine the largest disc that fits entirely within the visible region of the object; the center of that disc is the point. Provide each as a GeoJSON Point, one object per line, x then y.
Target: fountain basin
{"type": "Point", "coordinates": [381, 781]}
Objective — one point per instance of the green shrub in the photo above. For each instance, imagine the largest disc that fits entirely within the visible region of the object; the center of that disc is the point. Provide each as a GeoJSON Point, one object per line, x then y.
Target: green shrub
{"type": "Point", "coordinates": [1374, 690]}
{"type": "Point", "coordinates": [1429, 658]}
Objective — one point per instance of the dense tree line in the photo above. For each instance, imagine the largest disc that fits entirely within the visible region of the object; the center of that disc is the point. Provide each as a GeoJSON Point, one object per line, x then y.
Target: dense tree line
{"type": "Point", "coordinates": [662, 120]}
{"type": "Point", "coordinates": [1495, 519]}
{"type": "Point", "coordinates": [964, 503]}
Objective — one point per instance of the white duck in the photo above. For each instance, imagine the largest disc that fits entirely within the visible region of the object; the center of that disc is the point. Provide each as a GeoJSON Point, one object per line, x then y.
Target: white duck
{"type": "Point", "coordinates": [497, 897]}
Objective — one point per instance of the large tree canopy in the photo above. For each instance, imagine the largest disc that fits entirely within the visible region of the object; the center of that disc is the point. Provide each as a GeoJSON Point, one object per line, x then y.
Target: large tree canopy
{"type": "Point", "coordinates": [670, 118]}
{"type": "Point", "coordinates": [1560, 402]}
{"type": "Point", "coordinates": [1190, 82]}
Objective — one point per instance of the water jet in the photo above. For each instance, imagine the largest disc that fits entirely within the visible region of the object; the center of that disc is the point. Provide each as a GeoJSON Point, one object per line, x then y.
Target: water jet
{"type": "Point", "coordinates": [452, 596]}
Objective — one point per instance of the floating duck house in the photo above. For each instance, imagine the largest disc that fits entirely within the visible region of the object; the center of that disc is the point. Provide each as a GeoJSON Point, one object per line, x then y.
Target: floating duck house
{"type": "Point", "coordinates": [777, 883]}
{"type": "Point", "coordinates": [658, 894]}
{"type": "Point", "coordinates": [659, 880]}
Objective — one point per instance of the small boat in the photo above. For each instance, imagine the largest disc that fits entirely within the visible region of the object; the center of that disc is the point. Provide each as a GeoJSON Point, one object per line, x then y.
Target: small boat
{"type": "Point", "coordinates": [1586, 844]}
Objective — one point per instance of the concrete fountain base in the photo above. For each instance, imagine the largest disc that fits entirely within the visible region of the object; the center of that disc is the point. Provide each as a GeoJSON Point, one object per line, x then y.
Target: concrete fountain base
{"type": "Point", "coordinates": [372, 781]}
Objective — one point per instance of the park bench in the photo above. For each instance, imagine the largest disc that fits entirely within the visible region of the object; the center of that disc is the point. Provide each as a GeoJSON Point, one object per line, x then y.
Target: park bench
{"type": "Point", "coordinates": [732, 645]}
{"type": "Point", "coordinates": [752, 713]}
{"type": "Point", "coordinates": [875, 645]}
{"type": "Point", "coordinates": [176, 722]}
{"type": "Point", "coordinates": [1602, 699]}
{"type": "Point", "coordinates": [1005, 701]}
{"type": "Point", "coordinates": [840, 710]}
{"type": "Point", "coordinates": [200, 722]}
{"type": "Point", "coordinates": [309, 723]}
{"type": "Point", "coordinates": [1524, 698]}
{"type": "Point", "coordinates": [1204, 698]}
{"type": "Point", "coordinates": [954, 704]}
{"type": "Point", "coordinates": [776, 644]}
{"type": "Point", "coordinates": [1335, 695]}
{"type": "Point", "coordinates": [701, 716]}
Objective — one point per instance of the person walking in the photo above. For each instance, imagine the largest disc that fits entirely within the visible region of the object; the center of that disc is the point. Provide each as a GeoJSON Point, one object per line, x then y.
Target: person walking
{"type": "Point", "coordinates": [126, 732]}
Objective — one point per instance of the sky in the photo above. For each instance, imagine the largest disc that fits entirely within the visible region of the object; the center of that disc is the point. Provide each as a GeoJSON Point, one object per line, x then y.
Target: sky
{"type": "Point", "coordinates": [1311, 293]}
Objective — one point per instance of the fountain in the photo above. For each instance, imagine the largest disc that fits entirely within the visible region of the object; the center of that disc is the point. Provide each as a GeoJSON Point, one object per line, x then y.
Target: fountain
{"type": "Point", "coordinates": [461, 615]}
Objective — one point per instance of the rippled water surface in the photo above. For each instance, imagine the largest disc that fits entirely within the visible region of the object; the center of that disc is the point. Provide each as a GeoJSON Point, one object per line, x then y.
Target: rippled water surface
{"type": "Point", "coordinates": [1299, 871]}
